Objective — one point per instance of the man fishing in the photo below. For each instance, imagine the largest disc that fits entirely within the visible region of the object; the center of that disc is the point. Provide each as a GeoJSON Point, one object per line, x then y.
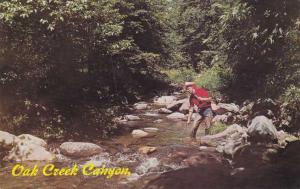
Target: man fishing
{"type": "Point", "coordinates": [201, 101]}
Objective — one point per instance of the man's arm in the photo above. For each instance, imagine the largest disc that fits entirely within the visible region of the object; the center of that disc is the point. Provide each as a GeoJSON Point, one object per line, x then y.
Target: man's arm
{"type": "Point", "coordinates": [191, 109]}
{"type": "Point", "coordinates": [209, 99]}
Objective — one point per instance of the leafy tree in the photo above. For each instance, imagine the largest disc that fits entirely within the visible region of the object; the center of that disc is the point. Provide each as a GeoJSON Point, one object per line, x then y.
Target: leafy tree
{"type": "Point", "coordinates": [76, 57]}
{"type": "Point", "coordinates": [257, 40]}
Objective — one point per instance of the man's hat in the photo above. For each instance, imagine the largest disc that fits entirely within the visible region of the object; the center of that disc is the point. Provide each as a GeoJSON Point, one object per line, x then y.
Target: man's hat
{"type": "Point", "coordinates": [189, 84]}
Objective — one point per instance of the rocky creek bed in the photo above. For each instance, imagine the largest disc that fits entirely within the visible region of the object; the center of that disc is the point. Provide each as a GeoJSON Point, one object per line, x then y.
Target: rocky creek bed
{"type": "Point", "coordinates": [250, 153]}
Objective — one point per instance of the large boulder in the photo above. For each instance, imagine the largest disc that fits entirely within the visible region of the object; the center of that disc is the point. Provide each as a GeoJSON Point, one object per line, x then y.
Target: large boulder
{"type": "Point", "coordinates": [176, 115]}
{"type": "Point", "coordinates": [262, 129]}
{"type": "Point", "coordinates": [184, 108]}
{"type": "Point", "coordinates": [27, 138]}
{"type": "Point", "coordinates": [229, 141]}
{"type": "Point", "coordinates": [165, 100]}
{"type": "Point", "coordinates": [221, 138]}
{"type": "Point", "coordinates": [140, 106]}
{"type": "Point", "coordinates": [80, 149]}
{"type": "Point", "coordinates": [220, 118]}
{"type": "Point", "coordinates": [23, 151]}
{"type": "Point", "coordinates": [227, 118]}
{"type": "Point", "coordinates": [137, 133]}
{"type": "Point", "coordinates": [7, 140]}
{"type": "Point", "coordinates": [174, 106]}
{"type": "Point", "coordinates": [229, 107]}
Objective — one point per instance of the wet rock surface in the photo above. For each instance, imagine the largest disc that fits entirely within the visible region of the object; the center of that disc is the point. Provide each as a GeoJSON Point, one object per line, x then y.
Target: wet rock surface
{"type": "Point", "coordinates": [282, 173]}
{"type": "Point", "coordinates": [262, 129]}
{"type": "Point", "coordinates": [79, 149]}
{"type": "Point", "coordinates": [140, 106]}
{"type": "Point", "coordinates": [165, 100]}
{"type": "Point", "coordinates": [139, 133]}
{"type": "Point", "coordinates": [249, 153]}
{"type": "Point", "coordinates": [176, 115]}
{"type": "Point", "coordinates": [7, 140]}
{"type": "Point", "coordinates": [27, 138]}
{"type": "Point", "coordinates": [29, 152]}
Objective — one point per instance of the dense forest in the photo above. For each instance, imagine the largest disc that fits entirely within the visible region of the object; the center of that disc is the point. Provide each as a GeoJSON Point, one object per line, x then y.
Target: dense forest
{"type": "Point", "coordinates": [65, 64]}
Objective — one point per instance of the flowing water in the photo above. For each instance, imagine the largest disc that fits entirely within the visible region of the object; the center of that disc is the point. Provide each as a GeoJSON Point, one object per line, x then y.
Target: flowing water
{"type": "Point", "coordinates": [122, 151]}
{"type": "Point", "coordinates": [158, 170]}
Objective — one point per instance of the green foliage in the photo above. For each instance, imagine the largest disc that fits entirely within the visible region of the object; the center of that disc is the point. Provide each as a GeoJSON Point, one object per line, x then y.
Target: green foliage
{"type": "Point", "coordinates": [217, 127]}
{"type": "Point", "coordinates": [292, 94]}
{"type": "Point", "coordinates": [67, 55]}
{"type": "Point", "coordinates": [198, 26]}
{"type": "Point", "coordinates": [257, 40]}
{"type": "Point", "coordinates": [291, 97]}
{"type": "Point", "coordinates": [215, 79]}
{"type": "Point", "coordinates": [181, 75]}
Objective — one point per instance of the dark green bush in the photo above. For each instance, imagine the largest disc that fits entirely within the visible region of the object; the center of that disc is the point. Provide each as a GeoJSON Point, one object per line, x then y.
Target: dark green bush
{"type": "Point", "coordinates": [181, 75]}
{"type": "Point", "coordinates": [215, 79]}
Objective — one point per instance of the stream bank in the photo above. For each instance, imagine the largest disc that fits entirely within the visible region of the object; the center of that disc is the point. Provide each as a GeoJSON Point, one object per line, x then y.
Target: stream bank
{"type": "Point", "coordinates": [155, 146]}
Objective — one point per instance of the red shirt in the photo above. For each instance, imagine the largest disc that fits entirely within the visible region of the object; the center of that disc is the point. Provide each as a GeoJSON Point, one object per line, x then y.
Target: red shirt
{"type": "Point", "coordinates": [200, 93]}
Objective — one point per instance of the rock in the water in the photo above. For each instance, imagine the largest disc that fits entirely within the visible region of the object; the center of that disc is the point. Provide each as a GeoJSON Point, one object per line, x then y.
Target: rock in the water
{"type": "Point", "coordinates": [29, 152]}
{"type": "Point", "coordinates": [221, 138]}
{"type": "Point", "coordinates": [139, 133]}
{"type": "Point", "coordinates": [229, 107]}
{"type": "Point", "coordinates": [140, 106]}
{"type": "Point", "coordinates": [202, 158]}
{"type": "Point", "coordinates": [181, 155]}
{"type": "Point", "coordinates": [176, 115]}
{"type": "Point", "coordinates": [233, 145]}
{"type": "Point", "coordinates": [284, 138]}
{"type": "Point", "coordinates": [80, 149]}
{"type": "Point", "coordinates": [165, 100]}
{"type": "Point", "coordinates": [164, 111]}
{"type": "Point", "coordinates": [184, 108]}
{"type": "Point", "coordinates": [158, 121]}
{"type": "Point", "coordinates": [132, 117]}
{"type": "Point", "coordinates": [203, 147]}
{"type": "Point", "coordinates": [151, 129]}
{"type": "Point", "coordinates": [224, 118]}
{"type": "Point", "coordinates": [262, 129]}
{"type": "Point", "coordinates": [147, 149]}
{"type": "Point", "coordinates": [27, 138]}
{"type": "Point", "coordinates": [174, 106]}
{"type": "Point", "coordinates": [220, 118]}
{"type": "Point", "coordinates": [7, 140]}
{"type": "Point", "coordinates": [229, 141]}
{"type": "Point", "coordinates": [151, 114]}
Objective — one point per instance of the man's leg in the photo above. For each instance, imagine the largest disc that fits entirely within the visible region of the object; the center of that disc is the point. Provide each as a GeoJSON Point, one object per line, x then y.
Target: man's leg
{"type": "Point", "coordinates": [208, 116]}
{"type": "Point", "coordinates": [196, 125]}
{"type": "Point", "coordinates": [207, 122]}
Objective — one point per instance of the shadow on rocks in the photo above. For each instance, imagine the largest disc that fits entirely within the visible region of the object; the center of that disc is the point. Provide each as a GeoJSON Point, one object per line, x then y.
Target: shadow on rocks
{"type": "Point", "coordinates": [282, 173]}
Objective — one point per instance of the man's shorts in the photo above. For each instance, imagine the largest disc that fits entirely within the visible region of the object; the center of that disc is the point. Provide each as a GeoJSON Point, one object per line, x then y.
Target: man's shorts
{"type": "Point", "coordinates": [206, 112]}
